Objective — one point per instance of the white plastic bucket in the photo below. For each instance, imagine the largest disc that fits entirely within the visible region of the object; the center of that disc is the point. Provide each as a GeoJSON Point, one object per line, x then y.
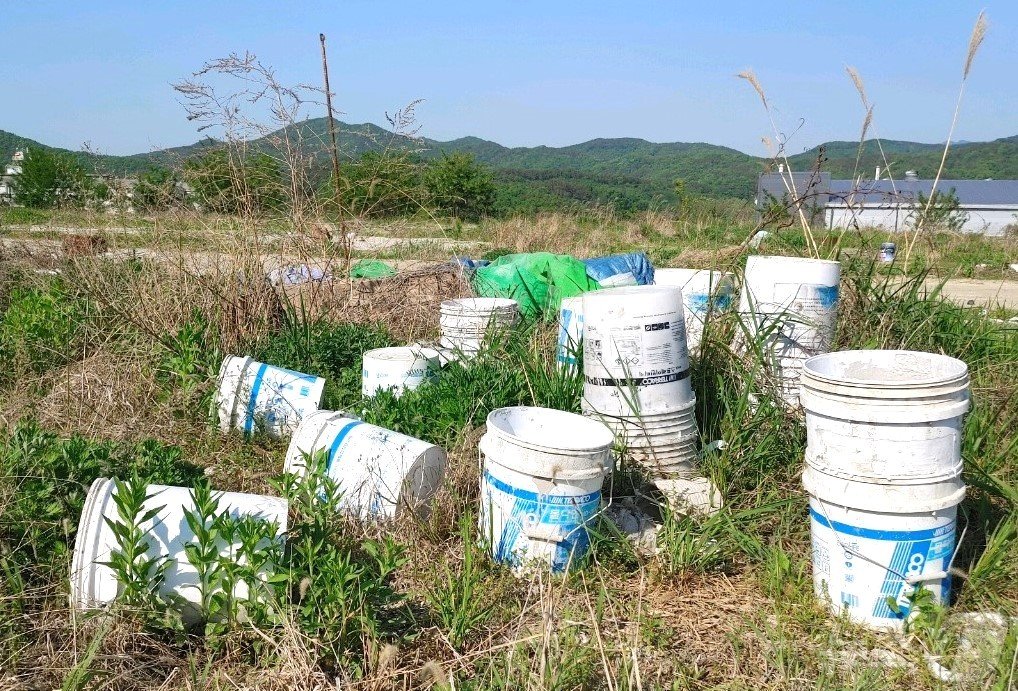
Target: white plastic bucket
{"type": "Point", "coordinates": [635, 359]}
{"type": "Point", "coordinates": [792, 303]}
{"type": "Point", "coordinates": [883, 471]}
{"type": "Point", "coordinates": [94, 584]}
{"type": "Point", "coordinates": [465, 322]}
{"type": "Point", "coordinates": [256, 396]}
{"type": "Point", "coordinates": [380, 473]}
{"type": "Point", "coordinates": [704, 294]}
{"type": "Point", "coordinates": [399, 369]}
{"type": "Point", "coordinates": [541, 485]}
{"type": "Point", "coordinates": [570, 332]}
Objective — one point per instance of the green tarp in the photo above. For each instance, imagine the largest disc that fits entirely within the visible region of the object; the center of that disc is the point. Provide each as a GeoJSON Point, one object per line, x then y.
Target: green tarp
{"type": "Point", "coordinates": [537, 281]}
{"type": "Point", "coordinates": [371, 268]}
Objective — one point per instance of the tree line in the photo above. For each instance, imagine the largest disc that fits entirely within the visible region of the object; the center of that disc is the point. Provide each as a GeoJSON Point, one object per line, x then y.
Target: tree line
{"type": "Point", "coordinates": [229, 181]}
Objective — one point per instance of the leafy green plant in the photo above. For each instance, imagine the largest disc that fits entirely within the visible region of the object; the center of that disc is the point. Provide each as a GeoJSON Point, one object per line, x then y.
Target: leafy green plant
{"type": "Point", "coordinates": [190, 354]}
{"type": "Point", "coordinates": [340, 587]}
{"type": "Point", "coordinates": [37, 329]}
{"type": "Point", "coordinates": [326, 349]}
{"type": "Point", "coordinates": [139, 575]}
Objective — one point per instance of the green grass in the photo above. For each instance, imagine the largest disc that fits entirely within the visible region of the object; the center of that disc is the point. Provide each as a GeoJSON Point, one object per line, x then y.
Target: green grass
{"type": "Point", "coordinates": [725, 602]}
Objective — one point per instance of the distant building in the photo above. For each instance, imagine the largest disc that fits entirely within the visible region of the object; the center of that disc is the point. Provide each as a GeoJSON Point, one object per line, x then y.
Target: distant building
{"type": "Point", "coordinates": [986, 206]}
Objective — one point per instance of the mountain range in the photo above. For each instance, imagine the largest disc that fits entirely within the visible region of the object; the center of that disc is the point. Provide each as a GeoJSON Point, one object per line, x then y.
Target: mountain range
{"type": "Point", "coordinates": [632, 173]}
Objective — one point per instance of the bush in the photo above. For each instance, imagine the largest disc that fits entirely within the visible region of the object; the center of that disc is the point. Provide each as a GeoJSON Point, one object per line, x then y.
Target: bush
{"type": "Point", "coordinates": [156, 189]}
{"type": "Point", "coordinates": [50, 179]}
{"type": "Point", "coordinates": [230, 183]}
{"type": "Point", "coordinates": [380, 184]}
{"type": "Point", "coordinates": [325, 349]}
{"type": "Point", "coordinates": [460, 186]}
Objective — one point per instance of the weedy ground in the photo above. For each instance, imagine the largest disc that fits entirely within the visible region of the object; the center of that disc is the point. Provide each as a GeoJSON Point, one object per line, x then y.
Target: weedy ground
{"type": "Point", "coordinates": [709, 233]}
{"type": "Point", "coordinates": [109, 369]}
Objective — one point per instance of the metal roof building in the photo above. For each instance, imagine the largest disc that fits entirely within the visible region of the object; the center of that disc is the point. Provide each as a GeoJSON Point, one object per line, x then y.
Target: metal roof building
{"type": "Point", "coordinates": [987, 206]}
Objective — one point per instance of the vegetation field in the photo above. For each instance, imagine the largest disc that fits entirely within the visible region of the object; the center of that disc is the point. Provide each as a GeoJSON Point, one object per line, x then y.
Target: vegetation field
{"type": "Point", "coordinates": [110, 368]}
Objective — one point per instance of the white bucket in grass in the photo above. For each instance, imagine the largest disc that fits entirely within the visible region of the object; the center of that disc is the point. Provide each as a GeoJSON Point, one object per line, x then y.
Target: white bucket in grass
{"type": "Point", "coordinates": [884, 475]}
{"type": "Point", "coordinates": [791, 304]}
{"type": "Point", "coordinates": [466, 322]}
{"type": "Point", "coordinates": [94, 584]}
{"type": "Point", "coordinates": [399, 369]}
{"type": "Point", "coordinates": [635, 359]}
{"type": "Point", "coordinates": [541, 485]}
{"type": "Point", "coordinates": [254, 396]}
{"type": "Point", "coordinates": [570, 332]}
{"type": "Point", "coordinates": [704, 294]}
{"type": "Point", "coordinates": [379, 472]}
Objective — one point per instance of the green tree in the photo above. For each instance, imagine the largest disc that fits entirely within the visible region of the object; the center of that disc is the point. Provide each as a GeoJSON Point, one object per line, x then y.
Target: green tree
{"type": "Point", "coordinates": [231, 183]}
{"type": "Point", "coordinates": [942, 213]}
{"type": "Point", "coordinates": [49, 179]}
{"type": "Point", "coordinates": [460, 186]}
{"type": "Point", "coordinates": [156, 189]}
{"type": "Point", "coordinates": [380, 184]}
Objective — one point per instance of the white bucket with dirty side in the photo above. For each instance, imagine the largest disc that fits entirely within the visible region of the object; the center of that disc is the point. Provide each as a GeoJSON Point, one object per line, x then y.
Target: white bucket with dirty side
{"type": "Point", "coordinates": [570, 332]}
{"type": "Point", "coordinates": [94, 584]}
{"type": "Point", "coordinates": [399, 369]}
{"type": "Point", "coordinates": [792, 305]}
{"type": "Point", "coordinates": [705, 294]}
{"type": "Point", "coordinates": [465, 322]}
{"type": "Point", "coordinates": [635, 360]}
{"type": "Point", "coordinates": [380, 473]}
{"type": "Point", "coordinates": [256, 396]}
{"type": "Point", "coordinates": [884, 475]}
{"type": "Point", "coordinates": [542, 472]}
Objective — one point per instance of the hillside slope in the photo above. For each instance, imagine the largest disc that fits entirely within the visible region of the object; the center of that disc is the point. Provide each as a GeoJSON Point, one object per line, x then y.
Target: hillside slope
{"type": "Point", "coordinates": [629, 172]}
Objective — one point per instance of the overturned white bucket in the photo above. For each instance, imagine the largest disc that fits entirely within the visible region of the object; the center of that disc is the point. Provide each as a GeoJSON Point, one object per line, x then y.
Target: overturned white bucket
{"type": "Point", "coordinates": [541, 485]}
{"type": "Point", "coordinates": [791, 305]}
{"type": "Point", "coordinates": [570, 332]}
{"type": "Point", "coordinates": [635, 359]}
{"type": "Point", "coordinates": [94, 584]}
{"type": "Point", "coordinates": [399, 369]}
{"type": "Point", "coordinates": [466, 322]}
{"type": "Point", "coordinates": [705, 294]}
{"type": "Point", "coordinates": [380, 473]}
{"type": "Point", "coordinates": [884, 475]}
{"type": "Point", "coordinates": [256, 396]}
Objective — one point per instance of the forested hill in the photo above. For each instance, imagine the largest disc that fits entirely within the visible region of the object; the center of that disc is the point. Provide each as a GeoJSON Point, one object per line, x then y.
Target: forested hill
{"type": "Point", "coordinates": [631, 173]}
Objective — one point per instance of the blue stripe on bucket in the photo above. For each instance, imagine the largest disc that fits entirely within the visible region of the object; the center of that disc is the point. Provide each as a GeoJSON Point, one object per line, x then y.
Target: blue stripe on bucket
{"type": "Point", "coordinates": [340, 436]}
{"type": "Point", "coordinates": [534, 496]}
{"type": "Point", "coordinates": [895, 535]}
{"type": "Point", "coordinates": [256, 387]}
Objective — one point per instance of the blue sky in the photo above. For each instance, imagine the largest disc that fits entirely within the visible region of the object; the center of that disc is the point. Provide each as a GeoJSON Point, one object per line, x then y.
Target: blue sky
{"type": "Point", "coordinates": [524, 72]}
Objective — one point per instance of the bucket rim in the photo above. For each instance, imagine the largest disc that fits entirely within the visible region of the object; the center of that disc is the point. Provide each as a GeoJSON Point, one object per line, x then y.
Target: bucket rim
{"type": "Point", "coordinates": [86, 542]}
{"type": "Point", "coordinates": [782, 259]}
{"type": "Point", "coordinates": [620, 291]}
{"type": "Point", "coordinates": [960, 371]}
{"type": "Point", "coordinates": [397, 354]}
{"type": "Point", "coordinates": [590, 444]}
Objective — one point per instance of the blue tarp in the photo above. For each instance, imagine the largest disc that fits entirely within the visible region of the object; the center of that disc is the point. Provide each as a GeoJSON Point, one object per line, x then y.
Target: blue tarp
{"type": "Point", "coordinates": [621, 270]}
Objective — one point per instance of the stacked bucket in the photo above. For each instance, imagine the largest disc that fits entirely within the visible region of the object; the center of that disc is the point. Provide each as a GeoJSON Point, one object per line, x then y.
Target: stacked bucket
{"type": "Point", "coordinates": [884, 476]}
{"type": "Point", "coordinates": [790, 305]}
{"type": "Point", "coordinates": [636, 375]}
{"type": "Point", "coordinates": [466, 321]}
